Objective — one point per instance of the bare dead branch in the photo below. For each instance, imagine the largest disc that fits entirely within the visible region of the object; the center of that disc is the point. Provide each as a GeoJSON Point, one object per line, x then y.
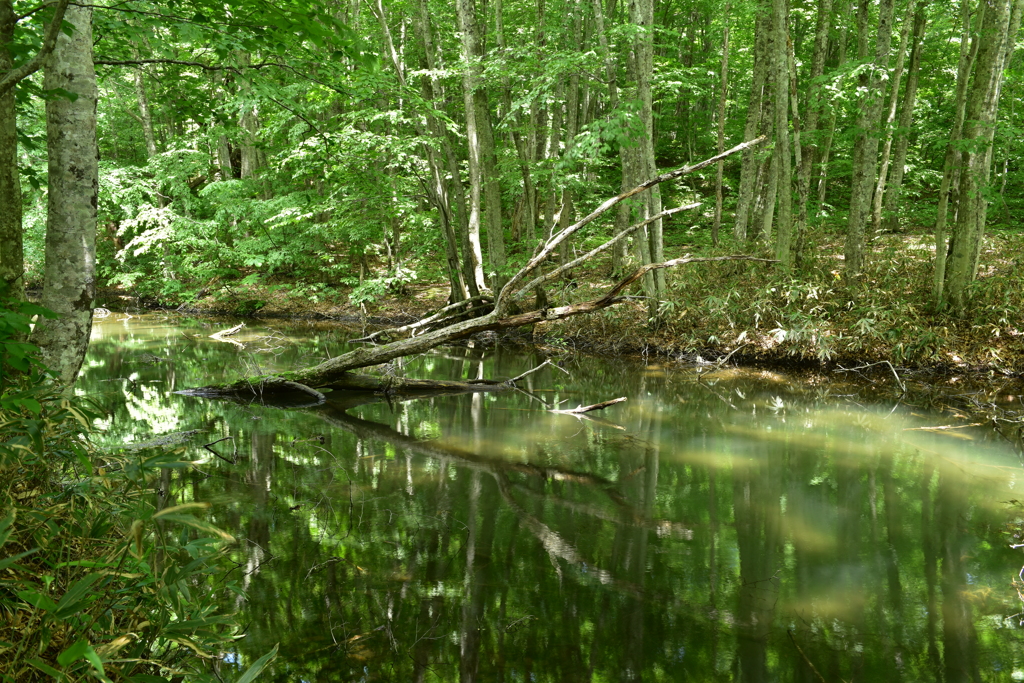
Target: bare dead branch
{"type": "Point", "coordinates": [544, 279]}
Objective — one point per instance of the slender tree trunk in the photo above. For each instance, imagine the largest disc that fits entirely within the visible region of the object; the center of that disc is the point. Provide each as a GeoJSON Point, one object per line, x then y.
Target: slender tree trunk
{"type": "Point", "coordinates": [642, 16]}
{"type": "Point", "coordinates": [250, 127]}
{"type": "Point", "coordinates": [890, 219]}
{"type": "Point", "coordinates": [830, 136]}
{"type": "Point", "coordinates": [781, 82]}
{"type": "Point", "coordinates": [755, 123]}
{"type": "Point", "coordinates": [951, 165]}
{"type": "Point", "coordinates": [865, 156]}
{"type": "Point", "coordinates": [1000, 22]}
{"type": "Point", "coordinates": [572, 126]}
{"type": "Point", "coordinates": [611, 76]}
{"type": "Point", "coordinates": [456, 220]}
{"type": "Point", "coordinates": [528, 221]}
{"type": "Point", "coordinates": [144, 114]}
{"type": "Point", "coordinates": [806, 130]}
{"type": "Point", "coordinates": [12, 259]}
{"type": "Point", "coordinates": [890, 117]}
{"type": "Point", "coordinates": [723, 94]}
{"type": "Point", "coordinates": [69, 285]}
{"type": "Point", "coordinates": [803, 171]}
{"type": "Point", "coordinates": [472, 69]}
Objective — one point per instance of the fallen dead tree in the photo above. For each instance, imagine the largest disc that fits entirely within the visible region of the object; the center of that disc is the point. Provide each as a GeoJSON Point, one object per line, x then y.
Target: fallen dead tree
{"type": "Point", "coordinates": [451, 324]}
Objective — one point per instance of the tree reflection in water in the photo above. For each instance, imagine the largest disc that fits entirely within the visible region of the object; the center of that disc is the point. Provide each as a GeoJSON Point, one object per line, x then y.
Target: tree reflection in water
{"type": "Point", "coordinates": [736, 529]}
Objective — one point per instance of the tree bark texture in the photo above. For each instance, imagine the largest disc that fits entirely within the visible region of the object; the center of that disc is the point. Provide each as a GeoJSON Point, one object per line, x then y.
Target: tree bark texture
{"type": "Point", "coordinates": [865, 155]}
{"type": "Point", "coordinates": [12, 259]}
{"type": "Point", "coordinates": [890, 218]}
{"type": "Point", "coordinates": [723, 94]}
{"type": "Point", "coordinates": [472, 70]}
{"type": "Point", "coordinates": [651, 240]}
{"type": "Point", "coordinates": [780, 83]}
{"type": "Point", "coordinates": [69, 285]}
{"type": "Point", "coordinates": [755, 123]}
{"type": "Point", "coordinates": [952, 165]}
{"type": "Point", "coordinates": [1000, 22]}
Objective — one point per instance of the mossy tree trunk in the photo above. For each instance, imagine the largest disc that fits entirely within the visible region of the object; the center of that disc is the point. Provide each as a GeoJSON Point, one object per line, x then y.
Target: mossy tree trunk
{"type": "Point", "coordinates": [73, 177]}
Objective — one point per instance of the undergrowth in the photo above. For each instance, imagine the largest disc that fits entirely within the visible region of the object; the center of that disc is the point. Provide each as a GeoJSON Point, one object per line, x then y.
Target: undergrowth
{"type": "Point", "coordinates": [812, 314]}
{"type": "Point", "coordinates": [97, 581]}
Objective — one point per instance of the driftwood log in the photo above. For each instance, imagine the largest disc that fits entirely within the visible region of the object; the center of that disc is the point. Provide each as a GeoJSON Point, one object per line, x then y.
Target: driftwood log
{"type": "Point", "coordinates": [440, 328]}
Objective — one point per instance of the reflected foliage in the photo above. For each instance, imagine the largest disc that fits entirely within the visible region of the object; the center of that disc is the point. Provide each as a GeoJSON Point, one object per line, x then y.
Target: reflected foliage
{"type": "Point", "coordinates": [732, 526]}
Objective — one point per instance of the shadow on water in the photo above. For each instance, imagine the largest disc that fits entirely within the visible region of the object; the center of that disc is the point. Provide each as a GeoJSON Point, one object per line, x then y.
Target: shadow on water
{"type": "Point", "coordinates": [739, 526]}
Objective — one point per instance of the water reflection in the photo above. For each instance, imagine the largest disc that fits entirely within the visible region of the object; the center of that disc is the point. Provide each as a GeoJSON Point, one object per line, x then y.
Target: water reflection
{"type": "Point", "coordinates": [734, 527]}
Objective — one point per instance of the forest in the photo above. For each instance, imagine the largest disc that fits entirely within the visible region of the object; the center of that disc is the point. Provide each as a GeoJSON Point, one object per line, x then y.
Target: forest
{"type": "Point", "coordinates": [812, 183]}
{"type": "Point", "coordinates": [300, 154]}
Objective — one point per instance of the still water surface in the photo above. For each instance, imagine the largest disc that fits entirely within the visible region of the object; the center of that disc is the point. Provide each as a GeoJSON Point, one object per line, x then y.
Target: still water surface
{"type": "Point", "coordinates": [733, 526]}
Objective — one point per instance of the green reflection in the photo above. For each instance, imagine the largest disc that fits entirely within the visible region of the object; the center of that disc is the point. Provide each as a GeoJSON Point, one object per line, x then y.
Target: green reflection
{"type": "Point", "coordinates": [742, 527]}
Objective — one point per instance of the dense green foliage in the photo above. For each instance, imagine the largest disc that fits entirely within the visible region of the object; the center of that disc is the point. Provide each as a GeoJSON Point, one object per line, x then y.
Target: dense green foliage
{"type": "Point", "coordinates": [294, 145]}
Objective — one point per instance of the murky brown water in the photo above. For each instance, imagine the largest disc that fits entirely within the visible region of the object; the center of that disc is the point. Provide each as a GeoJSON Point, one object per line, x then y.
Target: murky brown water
{"type": "Point", "coordinates": [731, 526]}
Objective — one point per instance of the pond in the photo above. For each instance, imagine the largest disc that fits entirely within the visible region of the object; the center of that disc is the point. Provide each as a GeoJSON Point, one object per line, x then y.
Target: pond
{"type": "Point", "coordinates": [723, 525]}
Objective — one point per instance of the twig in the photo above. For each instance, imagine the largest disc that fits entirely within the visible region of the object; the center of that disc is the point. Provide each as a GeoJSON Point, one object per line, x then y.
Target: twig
{"type": "Point", "coordinates": [512, 382]}
{"type": "Point", "coordinates": [903, 386]}
{"type": "Point", "coordinates": [806, 658]}
{"type": "Point", "coordinates": [207, 447]}
{"type": "Point", "coordinates": [586, 409]}
{"type": "Point", "coordinates": [943, 427]}
{"type": "Point", "coordinates": [722, 361]}
{"type": "Point", "coordinates": [228, 332]}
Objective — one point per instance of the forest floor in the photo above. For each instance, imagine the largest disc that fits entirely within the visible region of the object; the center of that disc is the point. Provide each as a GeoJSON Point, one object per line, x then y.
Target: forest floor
{"type": "Point", "coordinates": [751, 312]}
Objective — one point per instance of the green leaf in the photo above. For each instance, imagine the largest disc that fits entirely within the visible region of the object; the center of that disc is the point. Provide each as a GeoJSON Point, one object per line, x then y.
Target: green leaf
{"type": "Point", "coordinates": [47, 669]}
{"type": "Point", "coordinates": [74, 599]}
{"type": "Point", "coordinates": [9, 561]}
{"type": "Point", "coordinates": [5, 527]}
{"type": "Point", "coordinates": [258, 666]}
{"type": "Point", "coordinates": [82, 650]}
{"type": "Point", "coordinates": [37, 599]}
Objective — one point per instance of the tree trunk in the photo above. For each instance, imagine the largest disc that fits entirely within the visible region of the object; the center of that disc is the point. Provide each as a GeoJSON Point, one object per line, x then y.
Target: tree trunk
{"type": "Point", "coordinates": [894, 92]}
{"type": "Point", "coordinates": [12, 259]}
{"type": "Point", "coordinates": [455, 215]}
{"type": "Point", "coordinates": [999, 23]}
{"type": "Point", "coordinates": [890, 219]}
{"type": "Point", "coordinates": [144, 114]}
{"type": "Point", "coordinates": [472, 68]}
{"type": "Point", "coordinates": [865, 155]}
{"type": "Point", "coordinates": [642, 16]}
{"type": "Point", "coordinates": [250, 162]}
{"type": "Point", "coordinates": [723, 94]}
{"type": "Point", "coordinates": [823, 155]}
{"type": "Point", "coordinates": [69, 285]}
{"type": "Point", "coordinates": [951, 165]}
{"type": "Point", "coordinates": [527, 226]}
{"type": "Point", "coordinates": [611, 76]}
{"type": "Point", "coordinates": [781, 82]}
{"type": "Point", "coordinates": [807, 137]}
{"type": "Point", "coordinates": [752, 159]}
